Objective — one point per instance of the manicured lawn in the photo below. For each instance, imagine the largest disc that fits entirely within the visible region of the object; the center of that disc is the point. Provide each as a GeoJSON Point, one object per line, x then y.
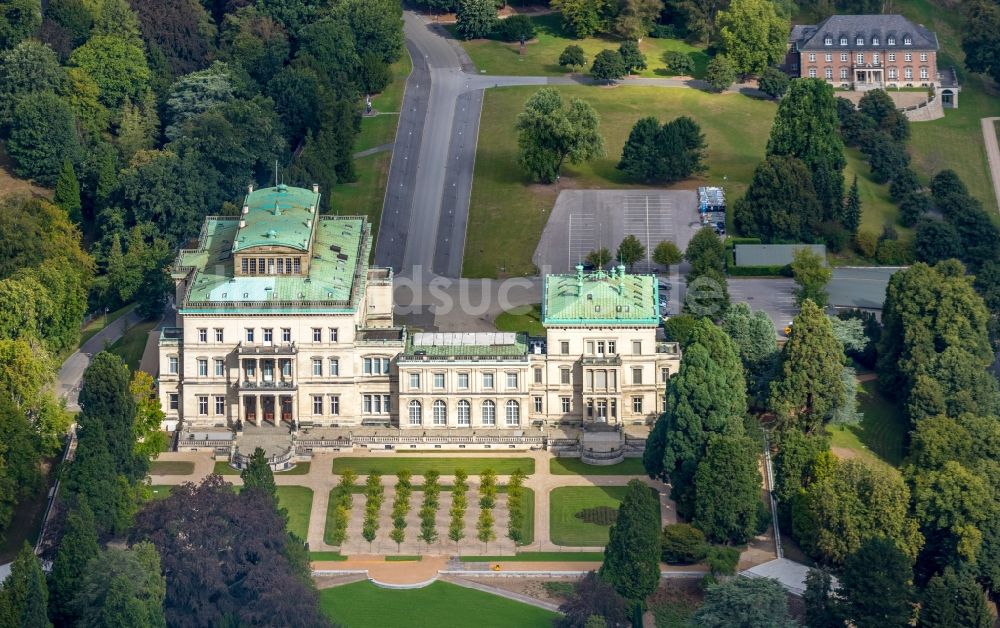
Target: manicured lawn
{"type": "Point", "coordinates": [130, 346]}
{"type": "Point", "coordinates": [171, 467]}
{"type": "Point", "coordinates": [160, 491]}
{"type": "Point", "coordinates": [517, 320]}
{"type": "Point", "coordinates": [403, 558]}
{"type": "Point", "coordinates": [440, 605]}
{"type": "Point", "coordinates": [390, 465]}
{"type": "Point", "coordinates": [508, 211]}
{"type": "Point", "coordinates": [363, 197]}
{"type": "Point", "coordinates": [565, 528]}
{"type": "Point", "coordinates": [541, 55]}
{"type": "Point", "coordinates": [880, 434]}
{"type": "Point", "coordinates": [528, 523]}
{"type": "Point", "coordinates": [99, 323]}
{"type": "Point", "coordinates": [574, 466]}
{"type": "Point", "coordinates": [223, 468]}
{"type": "Point", "coordinates": [298, 501]}
{"type": "Point", "coordinates": [337, 556]}
{"type": "Point", "coordinates": [544, 557]}
{"type": "Point", "coordinates": [877, 208]}
{"type": "Point", "coordinates": [381, 129]}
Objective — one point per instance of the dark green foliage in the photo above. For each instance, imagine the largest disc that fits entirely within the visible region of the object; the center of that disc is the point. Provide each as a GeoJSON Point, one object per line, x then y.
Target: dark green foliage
{"type": "Point", "coordinates": [77, 547]}
{"type": "Point", "coordinates": [42, 136]}
{"type": "Point", "coordinates": [374, 74]}
{"type": "Point", "coordinates": [122, 587]}
{"type": "Point", "coordinates": [875, 585]}
{"type": "Point", "coordinates": [630, 251]}
{"type": "Point", "coordinates": [682, 544]}
{"type": "Point", "coordinates": [720, 73]}
{"type": "Point", "coordinates": [750, 602]}
{"type": "Point", "coordinates": [912, 206]}
{"type": "Point", "coordinates": [904, 183]}
{"type": "Point", "coordinates": [518, 28]}
{"type": "Point", "coordinates": [877, 105]}
{"type": "Point", "coordinates": [255, 41]}
{"type": "Point", "coordinates": [979, 234]}
{"type": "Point", "coordinates": [678, 63]}
{"type": "Point", "coordinates": [73, 17]}
{"type": "Point", "coordinates": [20, 475]}
{"type": "Point", "coordinates": [886, 157]}
{"type": "Point", "coordinates": [781, 203]}
{"type": "Point", "coordinates": [549, 133]}
{"type": "Point", "coordinates": [196, 93]}
{"type": "Point", "coordinates": [180, 30]}
{"type": "Point", "coordinates": [947, 182]}
{"type": "Point", "coordinates": [773, 82]}
{"type": "Point", "coordinates": [18, 20]}
{"type": "Point", "coordinates": [572, 56]}
{"type": "Point", "coordinates": [981, 37]}
{"type": "Point", "coordinates": [298, 96]}
{"type": "Point", "coordinates": [608, 66]}
{"type": "Point", "coordinates": [708, 294]}
{"type": "Point", "coordinates": [258, 475]}
{"type": "Point", "coordinates": [663, 154]}
{"type": "Point", "coordinates": [475, 19]}
{"type": "Point", "coordinates": [936, 240]}
{"type": "Point", "coordinates": [722, 560]}
{"type": "Point", "coordinates": [822, 609]}
{"type": "Point", "coordinates": [29, 68]}
{"type": "Point", "coordinates": [328, 46]}
{"type": "Point", "coordinates": [632, 57]}
{"type": "Point", "coordinates": [679, 328]}
{"type": "Point", "coordinates": [601, 515]}
{"type": "Point", "coordinates": [953, 599]}
{"type": "Point", "coordinates": [753, 335]}
{"type": "Point", "coordinates": [106, 402]}
{"type": "Point", "coordinates": [873, 331]}
{"type": "Point", "coordinates": [67, 194]}
{"type": "Point", "coordinates": [592, 596]}
{"type": "Point", "coordinates": [24, 597]}
{"type": "Point", "coordinates": [727, 487]}
{"type": "Point", "coordinates": [377, 26]}
{"type": "Point", "coordinates": [852, 208]}
{"type": "Point", "coordinates": [631, 558]}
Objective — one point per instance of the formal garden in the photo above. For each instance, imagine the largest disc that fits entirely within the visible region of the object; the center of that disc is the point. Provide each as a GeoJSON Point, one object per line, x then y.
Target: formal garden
{"type": "Point", "coordinates": [581, 516]}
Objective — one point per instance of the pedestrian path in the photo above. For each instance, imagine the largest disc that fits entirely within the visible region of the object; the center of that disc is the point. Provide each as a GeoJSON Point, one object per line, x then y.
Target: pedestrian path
{"type": "Point", "coordinates": [992, 154]}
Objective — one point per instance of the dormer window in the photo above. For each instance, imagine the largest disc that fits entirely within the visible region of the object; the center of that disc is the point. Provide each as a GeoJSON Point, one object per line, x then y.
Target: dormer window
{"type": "Point", "coordinates": [874, 41]}
{"type": "Point", "coordinates": [828, 41]}
{"type": "Point", "coordinates": [907, 41]}
{"type": "Point", "coordinates": [843, 41]}
{"type": "Point", "coordinates": [891, 41]}
{"type": "Point", "coordinates": [861, 41]}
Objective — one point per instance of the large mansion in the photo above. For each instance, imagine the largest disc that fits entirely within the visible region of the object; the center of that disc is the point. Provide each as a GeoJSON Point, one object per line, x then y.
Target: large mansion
{"type": "Point", "coordinates": [865, 51]}
{"type": "Point", "coordinates": [281, 321]}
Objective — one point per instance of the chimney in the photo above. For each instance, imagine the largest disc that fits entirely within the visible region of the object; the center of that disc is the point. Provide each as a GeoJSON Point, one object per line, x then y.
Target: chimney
{"type": "Point", "coordinates": [579, 279]}
{"type": "Point", "coordinates": [250, 189]}
{"type": "Point", "coordinates": [246, 209]}
{"type": "Point", "coordinates": [315, 188]}
{"type": "Point", "coordinates": [621, 280]}
{"type": "Point", "coordinates": [243, 223]}
{"type": "Point", "coordinates": [309, 223]}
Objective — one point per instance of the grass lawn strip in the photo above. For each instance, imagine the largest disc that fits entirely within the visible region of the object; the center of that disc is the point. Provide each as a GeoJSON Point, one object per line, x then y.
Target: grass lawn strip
{"type": "Point", "coordinates": [403, 558]}
{"type": "Point", "coordinates": [528, 322]}
{"type": "Point", "coordinates": [418, 466]}
{"type": "Point", "coordinates": [439, 605]}
{"type": "Point", "coordinates": [363, 197]}
{"type": "Point", "coordinates": [565, 528]}
{"type": "Point", "coordinates": [329, 556]}
{"type": "Point", "coordinates": [575, 466]}
{"type": "Point", "coordinates": [297, 500]}
{"type": "Point", "coordinates": [538, 557]}
{"type": "Point", "coordinates": [171, 467]}
{"type": "Point", "coordinates": [882, 431]}
{"type": "Point", "coordinates": [132, 344]}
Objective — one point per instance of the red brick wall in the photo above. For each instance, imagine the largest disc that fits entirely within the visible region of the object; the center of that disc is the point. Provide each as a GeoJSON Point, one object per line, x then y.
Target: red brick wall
{"type": "Point", "coordinates": [820, 64]}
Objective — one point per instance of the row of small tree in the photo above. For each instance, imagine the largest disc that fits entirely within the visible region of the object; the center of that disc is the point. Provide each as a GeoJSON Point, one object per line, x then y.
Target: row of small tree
{"type": "Point", "coordinates": [515, 506]}
{"type": "Point", "coordinates": [459, 503]}
{"type": "Point", "coordinates": [401, 506]}
{"type": "Point", "coordinates": [429, 508]}
{"type": "Point", "coordinates": [374, 496]}
{"type": "Point", "coordinates": [487, 501]}
{"type": "Point", "coordinates": [343, 499]}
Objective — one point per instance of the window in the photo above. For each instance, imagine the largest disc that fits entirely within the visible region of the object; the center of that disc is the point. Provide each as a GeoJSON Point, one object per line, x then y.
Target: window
{"type": "Point", "coordinates": [637, 375]}
{"type": "Point", "coordinates": [600, 347]}
{"type": "Point", "coordinates": [843, 41]}
{"type": "Point", "coordinates": [489, 413]}
{"type": "Point", "coordinates": [590, 347]}
{"type": "Point", "coordinates": [249, 334]}
{"type": "Point", "coordinates": [440, 413]}
{"type": "Point", "coordinates": [637, 405]}
{"type": "Point", "coordinates": [334, 334]}
{"type": "Point", "coordinates": [874, 57]}
{"type": "Point", "coordinates": [859, 58]}
{"type": "Point", "coordinates": [220, 368]}
{"type": "Point", "coordinates": [908, 56]}
{"type": "Point", "coordinates": [218, 334]}
{"type": "Point", "coordinates": [317, 404]}
{"type": "Point", "coordinates": [286, 334]}
{"type": "Point", "coordinates": [923, 74]}
{"type": "Point", "coordinates": [828, 41]}
{"type": "Point", "coordinates": [203, 405]}
{"type": "Point", "coordinates": [843, 57]}
{"type": "Point", "coordinates": [891, 41]}
{"type": "Point", "coordinates": [812, 72]}
{"type": "Point", "coordinates": [415, 381]}
{"type": "Point", "coordinates": [251, 368]}
{"type": "Point", "coordinates": [538, 404]}
{"type": "Point", "coordinates": [513, 413]}
{"type": "Point", "coordinates": [664, 374]}
{"type": "Point", "coordinates": [268, 335]}
{"type": "Point", "coordinates": [538, 375]}
{"type": "Point", "coordinates": [335, 405]}
{"type": "Point", "coordinates": [812, 56]}
{"type": "Point", "coordinates": [286, 367]}
{"type": "Point", "coordinates": [828, 73]}
{"type": "Point", "coordinates": [202, 335]}
{"type": "Point", "coordinates": [892, 73]}
{"type": "Point", "coordinates": [565, 404]}
{"type": "Point", "coordinates": [511, 380]}
{"type": "Point", "coordinates": [174, 401]}
{"type": "Point", "coordinates": [317, 366]}
{"type": "Point", "coordinates": [874, 41]}
{"type": "Point", "coordinates": [908, 73]}
{"type": "Point", "coordinates": [375, 404]}
{"type": "Point", "coordinates": [601, 380]}
{"type": "Point", "coordinates": [611, 347]}
{"type": "Point", "coordinates": [172, 365]}
{"type": "Point", "coordinates": [438, 381]}
{"type": "Point", "coordinates": [907, 41]}
{"type": "Point", "coordinates": [891, 56]}
{"type": "Point", "coordinates": [267, 370]}
{"type": "Point", "coordinates": [464, 413]}
{"type": "Point", "coordinates": [860, 41]}
{"type": "Point", "coordinates": [334, 366]}
{"type": "Point", "coordinates": [202, 367]}
{"type": "Point", "coordinates": [828, 57]}
{"type": "Point", "coordinates": [564, 376]}
{"type": "Point", "coordinates": [564, 347]}
{"type": "Point", "coordinates": [487, 380]}
{"type": "Point", "coordinates": [415, 413]}
{"type": "Point", "coordinates": [317, 334]}
{"type": "Point", "coordinates": [463, 381]}
{"type": "Point", "coordinates": [375, 366]}
{"type": "Point", "coordinates": [220, 404]}
{"type": "Point", "coordinates": [923, 56]}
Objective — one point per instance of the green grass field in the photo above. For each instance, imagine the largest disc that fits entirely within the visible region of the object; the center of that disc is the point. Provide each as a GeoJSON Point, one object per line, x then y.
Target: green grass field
{"type": "Point", "coordinates": [529, 322]}
{"type": "Point", "coordinates": [508, 211]}
{"type": "Point", "coordinates": [537, 557]}
{"type": "Point", "coordinates": [574, 466]}
{"type": "Point", "coordinates": [223, 468]}
{"type": "Point", "coordinates": [364, 197]}
{"type": "Point", "coordinates": [298, 501]}
{"type": "Point", "coordinates": [881, 433]}
{"type": "Point", "coordinates": [160, 491]}
{"type": "Point", "coordinates": [337, 556]}
{"type": "Point", "coordinates": [171, 467]}
{"type": "Point", "coordinates": [90, 329]}
{"type": "Point", "coordinates": [381, 129]}
{"type": "Point", "coordinates": [528, 524]}
{"type": "Point", "coordinates": [403, 558]}
{"type": "Point", "coordinates": [130, 346]}
{"type": "Point", "coordinates": [440, 605]}
{"type": "Point", "coordinates": [541, 55]}
{"type": "Point", "coordinates": [565, 528]}
{"type": "Point", "coordinates": [390, 465]}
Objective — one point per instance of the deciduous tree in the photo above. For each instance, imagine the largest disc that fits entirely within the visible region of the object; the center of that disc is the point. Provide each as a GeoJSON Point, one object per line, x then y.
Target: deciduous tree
{"type": "Point", "coordinates": [811, 275]}
{"type": "Point", "coordinates": [773, 82]}
{"type": "Point", "coordinates": [630, 250]}
{"type": "Point", "coordinates": [42, 135]}
{"type": "Point", "coordinates": [667, 254]}
{"type": "Point", "coordinates": [118, 66]}
{"type": "Point", "coordinates": [631, 56]}
{"type": "Point", "coordinates": [608, 66]}
{"type": "Point", "coordinates": [582, 18]}
{"type": "Point", "coordinates": [572, 57]}
{"type": "Point", "coordinates": [720, 73]}
{"type": "Point", "coordinates": [875, 585]}
{"type": "Point", "coordinates": [753, 34]}
{"type": "Point", "coordinates": [475, 19]}
{"type": "Point", "coordinates": [550, 133]}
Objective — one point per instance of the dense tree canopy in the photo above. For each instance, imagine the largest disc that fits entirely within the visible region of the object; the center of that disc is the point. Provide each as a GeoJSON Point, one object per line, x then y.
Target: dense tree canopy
{"type": "Point", "coordinates": [42, 135]}
{"type": "Point", "coordinates": [756, 602]}
{"type": "Point", "coordinates": [781, 202]}
{"type": "Point", "coordinates": [632, 557]}
{"type": "Point", "coordinates": [549, 133]}
{"type": "Point", "coordinates": [122, 587]}
{"type": "Point", "coordinates": [663, 154]}
{"type": "Point", "coordinates": [727, 488]}
{"type": "Point", "coordinates": [876, 585]}
{"type": "Point", "coordinates": [753, 35]}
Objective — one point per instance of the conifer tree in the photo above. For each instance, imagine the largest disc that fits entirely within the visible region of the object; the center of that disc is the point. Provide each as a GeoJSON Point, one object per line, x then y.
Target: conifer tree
{"type": "Point", "coordinates": [78, 546]}
{"type": "Point", "coordinates": [67, 193]}
{"type": "Point", "coordinates": [258, 474]}
{"type": "Point", "coordinates": [852, 208]}
{"type": "Point", "coordinates": [727, 489]}
{"type": "Point", "coordinates": [952, 599]}
{"type": "Point", "coordinates": [24, 597]}
{"type": "Point", "coordinates": [632, 556]}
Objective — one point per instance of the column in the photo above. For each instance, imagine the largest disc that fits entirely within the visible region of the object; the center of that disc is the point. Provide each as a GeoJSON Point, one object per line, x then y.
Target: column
{"type": "Point", "coordinates": [295, 409]}
{"type": "Point", "coordinates": [256, 371]}
{"type": "Point", "coordinates": [257, 409]}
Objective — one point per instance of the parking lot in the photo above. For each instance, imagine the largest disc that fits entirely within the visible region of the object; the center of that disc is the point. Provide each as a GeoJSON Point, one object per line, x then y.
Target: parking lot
{"type": "Point", "coordinates": [586, 220]}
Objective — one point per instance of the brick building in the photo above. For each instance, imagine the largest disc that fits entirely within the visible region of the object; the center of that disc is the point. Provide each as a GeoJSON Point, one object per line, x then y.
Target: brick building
{"type": "Point", "coordinates": [865, 52]}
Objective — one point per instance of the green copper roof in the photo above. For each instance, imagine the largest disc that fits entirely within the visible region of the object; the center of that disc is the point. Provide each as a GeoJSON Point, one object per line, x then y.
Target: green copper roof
{"type": "Point", "coordinates": [278, 216]}
{"type": "Point", "coordinates": [337, 271]}
{"type": "Point", "coordinates": [607, 298]}
{"type": "Point", "coordinates": [458, 344]}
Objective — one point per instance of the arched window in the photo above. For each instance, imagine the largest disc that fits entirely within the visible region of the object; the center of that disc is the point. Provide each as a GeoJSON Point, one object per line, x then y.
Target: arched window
{"type": "Point", "coordinates": [489, 413]}
{"type": "Point", "coordinates": [513, 413]}
{"type": "Point", "coordinates": [416, 413]}
{"type": "Point", "coordinates": [440, 413]}
{"type": "Point", "coordinates": [464, 413]}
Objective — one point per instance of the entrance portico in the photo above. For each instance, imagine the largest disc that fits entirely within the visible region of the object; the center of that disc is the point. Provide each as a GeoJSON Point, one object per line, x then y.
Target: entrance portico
{"type": "Point", "coordinates": [869, 77]}
{"type": "Point", "coordinates": [275, 409]}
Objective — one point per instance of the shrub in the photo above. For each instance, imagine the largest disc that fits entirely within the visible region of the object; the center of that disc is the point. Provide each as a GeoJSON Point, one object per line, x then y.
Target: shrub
{"type": "Point", "coordinates": [516, 27]}
{"type": "Point", "coordinates": [722, 560]}
{"type": "Point", "coordinates": [905, 182]}
{"type": "Point", "coordinates": [601, 515]}
{"type": "Point", "coordinates": [912, 206]}
{"type": "Point", "coordinates": [682, 544]}
{"type": "Point", "coordinates": [866, 242]}
{"type": "Point", "coordinates": [663, 31]}
{"type": "Point", "coordinates": [773, 82]}
{"type": "Point", "coordinates": [894, 253]}
{"type": "Point", "coordinates": [678, 63]}
{"type": "Point", "coordinates": [720, 74]}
